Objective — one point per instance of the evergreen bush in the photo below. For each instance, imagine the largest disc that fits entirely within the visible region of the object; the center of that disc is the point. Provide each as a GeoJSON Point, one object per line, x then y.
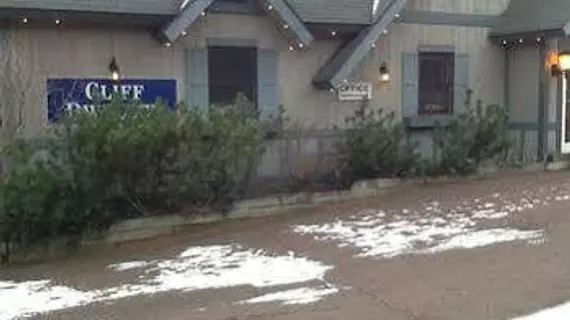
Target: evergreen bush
{"type": "Point", "coordinates": [122, 161]}
{"type": "Point", "coordinates": [475, 138]}
{"type": "Point", "coordinates": [375, 145]}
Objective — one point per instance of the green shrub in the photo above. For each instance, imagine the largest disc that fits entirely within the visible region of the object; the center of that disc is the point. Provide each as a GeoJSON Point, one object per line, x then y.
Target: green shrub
{"type": "Point", "coordinates": [375, 145]}
{"type": "Point", "coordinates": [122, 161]}
{"type": "Point", "coordinates": [474, 138]}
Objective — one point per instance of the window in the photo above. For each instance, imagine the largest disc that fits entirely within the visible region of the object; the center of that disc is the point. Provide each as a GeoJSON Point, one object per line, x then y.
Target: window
{"type": "Point", "coordinates": [436, 83]}
{"type": "Point", "coordinates": [232, 70]}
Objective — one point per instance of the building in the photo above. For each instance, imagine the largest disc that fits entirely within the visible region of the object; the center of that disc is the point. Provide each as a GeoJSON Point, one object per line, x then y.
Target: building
{"type": "Point", "coordinates": [315, 57]}
{"type": "Point", "coordinates": [534, 37]}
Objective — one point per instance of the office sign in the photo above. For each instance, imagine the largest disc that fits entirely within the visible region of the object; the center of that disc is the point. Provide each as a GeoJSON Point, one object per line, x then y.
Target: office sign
{"type": "Point", "coordinates": [355, 91]}
{"type": "Point", "coordinates": [66, 95]}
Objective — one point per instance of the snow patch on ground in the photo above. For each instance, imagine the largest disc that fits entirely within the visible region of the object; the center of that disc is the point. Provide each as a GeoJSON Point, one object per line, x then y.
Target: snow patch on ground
{"type": "Point", "coordinates": [184, 4]}
{"type": "Point", "coordinates": [204, 267]}
{"type": "Point", "coordinates": [130, 265]}
{"type": "Point", "coordinates": [556, 313]}
{"type": "Point", "coordinates": [431, 230]}
{"type": "Point", "coordinates": [304, 295]}
{"type": "Point", "coordinates": [25, 298]}
{"type": "Point", "coordinates": [482, 238]}
{"type": "Point", "coordinates": [375, 6]}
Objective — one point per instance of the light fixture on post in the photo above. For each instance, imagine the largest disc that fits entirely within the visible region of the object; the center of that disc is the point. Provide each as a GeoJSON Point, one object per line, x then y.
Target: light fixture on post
{"type": "Point", "coordinates": [384, 73]}
{"type": "Point", "coordinates": [562, 65]}
{"type": "Point", "coordinates": [115, 70]}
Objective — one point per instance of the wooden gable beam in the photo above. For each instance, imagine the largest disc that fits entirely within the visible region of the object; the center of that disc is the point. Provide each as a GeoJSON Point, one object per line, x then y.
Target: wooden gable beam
{"type": "Point", "coordinates": [189, 14]}
{"type": "Point", "coordinates": [339, 68]}
{"type": "Point", "coordinates": [290, 23]}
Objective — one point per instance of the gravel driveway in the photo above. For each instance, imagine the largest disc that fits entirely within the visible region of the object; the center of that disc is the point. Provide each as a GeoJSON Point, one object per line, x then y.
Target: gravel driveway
{"type": "Point", "coordinates": [489, 249]}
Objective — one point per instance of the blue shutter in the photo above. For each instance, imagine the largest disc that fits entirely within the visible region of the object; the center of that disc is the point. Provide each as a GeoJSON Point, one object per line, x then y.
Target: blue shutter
{"type": "Point", "coordinates": [3, 38]}
{"type": "Point", "coordinates": [3, 46]}
{"type": "Point", "coordinates": [197, 93]}
{"type": "Point", "coordinates": [267, 100]}
{"type": "Point", "coordinates": [4, 52]}
{"type": "Point", "coordinates": [410, 78]}
{"type": "Point", "coordinates": [460, 83]}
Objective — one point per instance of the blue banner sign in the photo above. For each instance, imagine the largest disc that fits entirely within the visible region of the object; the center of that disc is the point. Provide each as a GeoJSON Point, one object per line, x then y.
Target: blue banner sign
{"type": "Point", "coordinates": [66, 95]}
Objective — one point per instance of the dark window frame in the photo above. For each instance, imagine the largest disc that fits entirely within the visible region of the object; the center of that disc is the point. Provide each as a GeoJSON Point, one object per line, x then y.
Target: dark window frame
{"type": "Point", "coordinates": [436, 81]}
{"type": "Point", "coordinates": [253, 86]}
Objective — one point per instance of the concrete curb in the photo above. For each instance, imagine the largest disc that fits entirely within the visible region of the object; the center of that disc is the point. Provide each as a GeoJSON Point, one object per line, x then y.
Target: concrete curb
{"type": "Point", "coordinates": [151, 227]}
{"type": "Point", "coordinates": [145, 228]}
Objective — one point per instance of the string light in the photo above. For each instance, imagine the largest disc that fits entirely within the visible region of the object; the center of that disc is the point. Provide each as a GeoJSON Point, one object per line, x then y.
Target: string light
{"type": "Point", "coordinates": [516, 44]}
{"type": "Point", "coordinates": [270, 7]}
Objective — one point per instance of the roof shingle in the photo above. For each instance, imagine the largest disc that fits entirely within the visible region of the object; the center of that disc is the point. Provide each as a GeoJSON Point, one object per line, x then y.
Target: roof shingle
{"type": "Point", "coordinates": [334, 11]}
{"type": "Point", "coordinates": [530, 16]}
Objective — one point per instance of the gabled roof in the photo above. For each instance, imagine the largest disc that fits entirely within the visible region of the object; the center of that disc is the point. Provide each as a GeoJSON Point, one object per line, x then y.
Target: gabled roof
{"type": "Point", "coordinates": [280, 10]}
{"type": "Point", "coordinates": [157, 7]}
{"type": "Point", "coordinates": [534, 16]}
{"type": "Point", "coordinates": [312, 11]}
{"type": "Point", "coordinates": [334, 11]}
{"type": "Point", "coordinates": [190, 11]}
{"type": "Point", "coordinates": [341, 65]}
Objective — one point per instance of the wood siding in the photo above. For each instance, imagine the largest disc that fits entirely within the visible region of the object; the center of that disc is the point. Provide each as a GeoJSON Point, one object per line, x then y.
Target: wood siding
{"type": "Point", "coordinates": [484, 58]}
{"type": "Point", "coordinates": [461, 6]}
{"type": "Point", "coordinates": [62, 52]}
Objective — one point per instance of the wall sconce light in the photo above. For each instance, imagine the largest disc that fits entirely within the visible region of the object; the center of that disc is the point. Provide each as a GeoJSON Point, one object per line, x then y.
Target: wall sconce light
{"type": "Point", "coordinates": [384, 73]}
{"type": "Point", "coordinates": [562, 65]}
{"type": "Point", "coordinates": [114, 69]}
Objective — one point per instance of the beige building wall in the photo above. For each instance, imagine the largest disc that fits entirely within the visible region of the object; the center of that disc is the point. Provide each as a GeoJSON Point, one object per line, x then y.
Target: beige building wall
{"type": "Point", "coordinates": [39, 54]}
{"type": "Point", "coordinates": [81, 52]}
{"type": "Point", "coordinates": [486, 61]}
{"type": "Point", "coordinates": [523, 84]}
